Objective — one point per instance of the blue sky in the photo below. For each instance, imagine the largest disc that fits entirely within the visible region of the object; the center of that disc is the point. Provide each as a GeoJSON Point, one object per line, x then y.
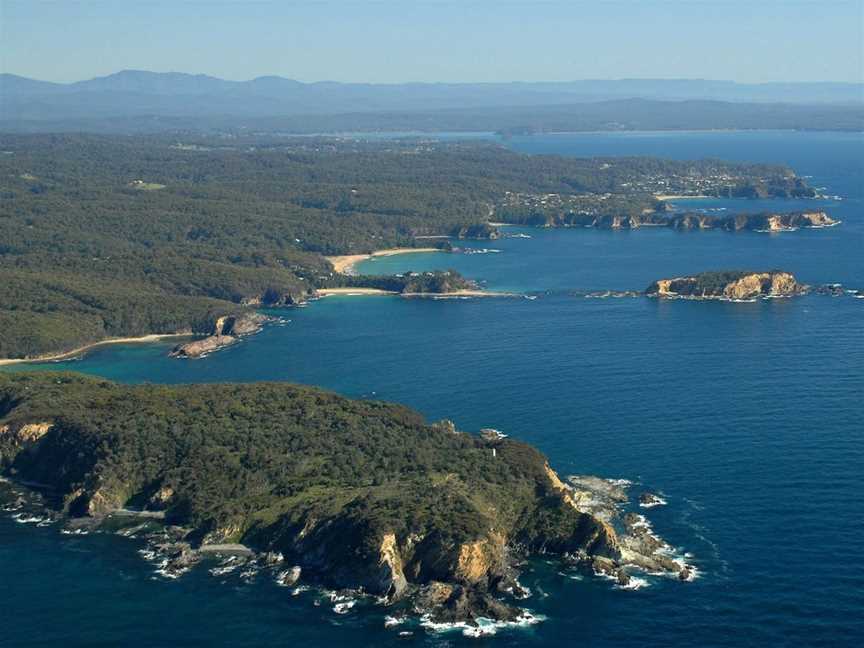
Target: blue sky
{"type": "Point", "coordinates": [395, 41]}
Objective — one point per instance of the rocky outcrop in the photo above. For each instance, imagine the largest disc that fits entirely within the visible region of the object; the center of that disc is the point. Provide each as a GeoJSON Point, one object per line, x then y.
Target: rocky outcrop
{"type": "Point", "coordinates": [479, 231]}
{"type": "Point", "coordinates": [226, 331]}
{"type": "Point", "coordinates": [761, 222]}
{"type": "Point", "coordinates": [23, 434]}
{"type": "Point", "coordinates": [392, 578]}
{"type": "Point", "coordinates": [662, 217]}
{"type": "Point", "coordinates": [731, 286]}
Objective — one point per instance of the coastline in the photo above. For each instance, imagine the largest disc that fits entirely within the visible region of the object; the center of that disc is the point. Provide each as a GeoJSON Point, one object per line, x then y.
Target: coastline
{"type": "Point", "coordinates": [672, 197]}
{"type": "Point", "coordinates": [344, 264]}
{"type": "Point", "coordinates": [460, 293]}
{"type": "Point", "coordinates": [361, 292]}
{"type": "Point", "coordinates": [68, 355]}
{"type": "Point", "coordinates": [353, 292]}
{"type": "Point", "coordinates": [323, 292]}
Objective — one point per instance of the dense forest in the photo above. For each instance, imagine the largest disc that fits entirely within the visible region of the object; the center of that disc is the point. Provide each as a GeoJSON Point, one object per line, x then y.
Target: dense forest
{"type": "Point", "coordinates": [117, 236]}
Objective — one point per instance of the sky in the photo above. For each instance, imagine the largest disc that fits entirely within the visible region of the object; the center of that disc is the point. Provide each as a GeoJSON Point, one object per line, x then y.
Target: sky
{"type": "Point", "coordinates": [392, 41]}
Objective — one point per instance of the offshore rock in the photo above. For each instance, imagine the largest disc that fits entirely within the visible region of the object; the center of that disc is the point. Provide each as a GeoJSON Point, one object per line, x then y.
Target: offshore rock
{"type": "Point", "coordinates": [730, 286]}
{"type": "Point", "coordinates": [226, 331]}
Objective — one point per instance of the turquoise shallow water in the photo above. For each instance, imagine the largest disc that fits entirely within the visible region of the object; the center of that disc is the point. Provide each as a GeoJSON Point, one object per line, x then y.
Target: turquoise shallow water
{"type": "Point", "coordinates": [746, 416]}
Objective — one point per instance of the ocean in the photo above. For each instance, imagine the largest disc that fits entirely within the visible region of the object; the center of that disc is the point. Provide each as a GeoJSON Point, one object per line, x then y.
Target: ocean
{"type": "Point", "coordinates": [744, 416]}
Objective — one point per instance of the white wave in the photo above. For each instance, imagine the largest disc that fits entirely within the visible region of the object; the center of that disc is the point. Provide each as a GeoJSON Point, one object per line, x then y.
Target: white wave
{"type": "Point", "coordinates": [173, 574]}
{"type": "Point", "coordinates": [225, 569]}
{"type": "Point", "coordinates": [484, 627]}
{"type": "Point", "coordinates": [620, 482]}
{"type": "Point", "coordinates": [390, 621]}
{"type": "Point", "coordinates": [642, 522]}
{"type": "Point", "coordinates": [297, 591]}
{"type": "Point", "coordinates": [657, 501]}
{"type": "Point", "coordinates": [22, 518]}
{"type": "Point", "coordinates": [344, 607]}
{"type": "Point", "coordinates": [74, 532]}
{"type": "Point", "coordinates": [480, 251]}
{"type": "Point", "coordinates": [635, 583]}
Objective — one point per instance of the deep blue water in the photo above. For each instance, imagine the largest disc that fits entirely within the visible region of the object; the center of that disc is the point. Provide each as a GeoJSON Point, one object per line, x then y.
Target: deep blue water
{"type": "Point", "coordinates": [747, 417]}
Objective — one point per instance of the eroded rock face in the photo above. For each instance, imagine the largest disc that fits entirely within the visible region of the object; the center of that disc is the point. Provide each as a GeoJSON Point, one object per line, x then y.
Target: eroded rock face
{"type": "Point", "coordinates": [226, 331]}
{"type": "Point", "coordinates": [392, 577]}
{"type": "Point", "coordinates": [728, 286]}
{"type": "Point", "coordinates": [27, 433]}
{"type": "Point", "coordinates": [761, 222]}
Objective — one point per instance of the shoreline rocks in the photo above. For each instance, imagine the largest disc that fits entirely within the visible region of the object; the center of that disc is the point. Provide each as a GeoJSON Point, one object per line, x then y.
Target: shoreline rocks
{"type": "Point", "coordinates": [226, 331]}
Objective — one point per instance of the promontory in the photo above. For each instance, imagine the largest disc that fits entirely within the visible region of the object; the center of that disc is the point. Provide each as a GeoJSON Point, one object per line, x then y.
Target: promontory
{"type": "Point", "coordinates": [326, 490]}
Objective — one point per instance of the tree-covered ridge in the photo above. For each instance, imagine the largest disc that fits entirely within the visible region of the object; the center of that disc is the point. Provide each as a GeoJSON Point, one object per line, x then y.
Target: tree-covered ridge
{"type": "Point", "coordinates": [323, 479]}
{"type": "Point", "coordinates": [117, 236]}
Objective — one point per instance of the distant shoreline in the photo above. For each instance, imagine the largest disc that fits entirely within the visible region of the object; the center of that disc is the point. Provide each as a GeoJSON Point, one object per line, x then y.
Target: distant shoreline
{"type": "Point", "coordinates": [359, 292]}
{"type": "Point", "coordinates": [68, 355]}
{"type": "Point", "coordinates": [344, 264]}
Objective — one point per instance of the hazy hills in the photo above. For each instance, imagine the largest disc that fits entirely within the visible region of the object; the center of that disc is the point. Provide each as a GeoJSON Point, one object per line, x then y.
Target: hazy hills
{"type": "Point", "coordinates": [144, 101]}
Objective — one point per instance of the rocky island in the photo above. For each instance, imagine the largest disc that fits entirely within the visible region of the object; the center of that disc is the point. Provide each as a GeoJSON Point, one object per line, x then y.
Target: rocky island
{"type": "Point", "coordinates": [728, 285]}
{"type": "Point", "coordinates": [319, 489]}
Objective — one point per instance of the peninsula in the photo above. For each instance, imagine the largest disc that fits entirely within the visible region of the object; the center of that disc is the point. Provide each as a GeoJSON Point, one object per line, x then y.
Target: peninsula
{"type": "Point", "coordinates": [346, 494]}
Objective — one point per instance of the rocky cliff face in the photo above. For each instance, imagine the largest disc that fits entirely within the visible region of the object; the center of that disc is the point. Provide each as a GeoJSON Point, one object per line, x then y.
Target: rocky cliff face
{"type": "Point", "coordinates": [732, 286]}
{"type": "Point", "coordinates": [762, 222]}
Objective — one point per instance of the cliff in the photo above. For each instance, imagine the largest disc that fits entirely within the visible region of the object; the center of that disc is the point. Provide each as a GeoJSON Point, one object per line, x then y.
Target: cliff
{"type": "Point", "coordinates": [354, 494]}
{"type": "Point", "coordinates": [734, 285]}
{"type": "Point", "coordinates": [761, 222]}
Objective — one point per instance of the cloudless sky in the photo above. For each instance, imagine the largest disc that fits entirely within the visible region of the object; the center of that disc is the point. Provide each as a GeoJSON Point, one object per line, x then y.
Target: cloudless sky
{"type": "Point", "coordinates": [407, 40]}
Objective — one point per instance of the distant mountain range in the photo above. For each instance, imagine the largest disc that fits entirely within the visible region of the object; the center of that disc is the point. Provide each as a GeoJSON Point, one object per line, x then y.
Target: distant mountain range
{"type": "Point", "coordinates": [124, 97]}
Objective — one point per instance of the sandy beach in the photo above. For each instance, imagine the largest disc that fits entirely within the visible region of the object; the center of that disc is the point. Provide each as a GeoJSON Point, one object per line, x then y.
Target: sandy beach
{"type": "Point", "coordinates": [463, 293]}
{"type": "Point", "coordinates": [344, 264]}
{"type": "Point", "coordinates": [324, 292]}
{"type": "Point", "coordinates": [75, 352]}
{"type": "Point", "coordinates": [665, 197]}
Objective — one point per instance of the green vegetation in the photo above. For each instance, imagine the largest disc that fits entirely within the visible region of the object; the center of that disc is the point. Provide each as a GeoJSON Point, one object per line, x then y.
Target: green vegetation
{"type": "Point", "coordinates": [86, 254]}
{"type": "Point", "coordinates": [439, 281]}
{"type": "Point", "coordinates": [296, 469]}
